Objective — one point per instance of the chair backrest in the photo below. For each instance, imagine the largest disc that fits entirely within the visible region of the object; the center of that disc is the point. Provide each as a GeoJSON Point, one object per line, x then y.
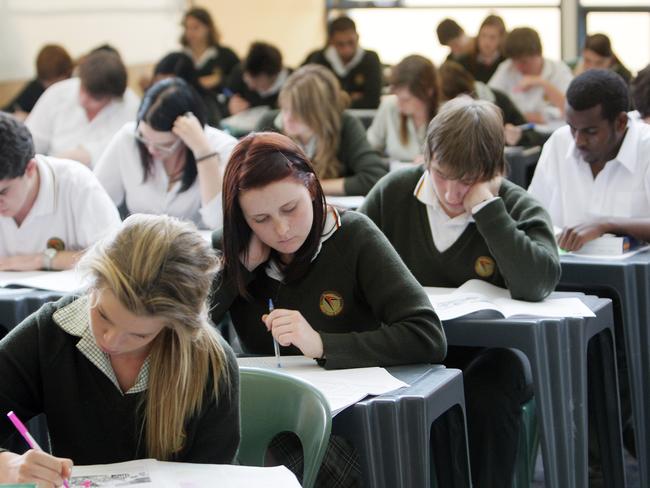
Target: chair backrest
{"type": "Point", "coordinates": [273, 402]}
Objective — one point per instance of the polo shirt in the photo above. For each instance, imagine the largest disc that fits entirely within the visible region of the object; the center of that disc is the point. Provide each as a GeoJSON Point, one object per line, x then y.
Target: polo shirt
{"type": "Point", "coordinates": [71, 209]}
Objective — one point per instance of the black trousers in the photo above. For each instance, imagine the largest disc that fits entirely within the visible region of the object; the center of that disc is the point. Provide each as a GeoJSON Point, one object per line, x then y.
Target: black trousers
{"type": "Point", "coordinates": [496, 387]}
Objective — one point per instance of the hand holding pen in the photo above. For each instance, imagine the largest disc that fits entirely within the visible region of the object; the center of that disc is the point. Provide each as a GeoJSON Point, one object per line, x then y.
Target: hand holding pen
{"type": "Point", "coordinates": [35, 466]}
{"type": "Point", "coordinates": [289, 327]}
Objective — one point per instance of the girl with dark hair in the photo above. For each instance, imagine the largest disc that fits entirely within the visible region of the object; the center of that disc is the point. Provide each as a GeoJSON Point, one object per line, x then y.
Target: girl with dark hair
{"type": "Point", "coordinates": [399, 128]}
{"type": "Point", "coordinates": [487, 54]}
{"type": "Point", "coordinates": [318, 266]}
{"type": "Point", "coordinates": [201, 41]}
{"type": "Point", "coordinates": [168, 161]}
{"type": "Point", "coordinates": [598, 54]}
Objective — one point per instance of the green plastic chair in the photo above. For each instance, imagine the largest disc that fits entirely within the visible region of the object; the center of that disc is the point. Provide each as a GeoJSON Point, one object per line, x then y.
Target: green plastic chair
{"type": "Point", "coordinates": [273, 402]}
{"type": "Point", "coordinates": [528, 446]}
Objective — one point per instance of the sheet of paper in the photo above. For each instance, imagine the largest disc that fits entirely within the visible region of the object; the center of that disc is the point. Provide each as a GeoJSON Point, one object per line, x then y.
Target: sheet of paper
{"type": "Point", "coordinates": [68, 281]}
{"type": "Point", "coordinates": [351, 203]}
{"type": "Point", "coordinates": [475, 295]}
{"type": "Point", "coordinates": [606, 257]}
{"type": "Point", "coordinates": [151, 473]}
{"type": "Point", "coordinates": [341, 387]}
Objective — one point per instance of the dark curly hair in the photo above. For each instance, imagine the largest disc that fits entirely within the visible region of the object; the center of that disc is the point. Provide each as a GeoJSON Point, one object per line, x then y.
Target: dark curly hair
{"type": "Point", "coordinates": [16, 147]}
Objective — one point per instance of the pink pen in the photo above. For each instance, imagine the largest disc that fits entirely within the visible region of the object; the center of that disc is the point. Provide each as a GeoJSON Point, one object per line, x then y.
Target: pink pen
{"type": "Point", "coordinates": [20, 427]}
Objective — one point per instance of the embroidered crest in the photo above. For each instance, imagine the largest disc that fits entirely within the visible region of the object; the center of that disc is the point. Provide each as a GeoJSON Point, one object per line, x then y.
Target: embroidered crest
{"type": "Point", "coordinates": [56, 243]}
{"type": "Point", "coordinates": [359, 79]}
{"type": "Point", "coordinates": [484, 266]}
{"type": "Point", "coordinates": [331, 303]}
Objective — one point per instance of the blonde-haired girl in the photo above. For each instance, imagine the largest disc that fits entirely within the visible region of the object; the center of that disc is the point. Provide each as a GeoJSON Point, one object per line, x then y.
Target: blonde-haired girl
{"type": "Point", "coordinates": [132, 368]}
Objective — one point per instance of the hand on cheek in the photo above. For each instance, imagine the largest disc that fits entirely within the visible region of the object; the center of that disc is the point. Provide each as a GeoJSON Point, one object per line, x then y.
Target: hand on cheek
{"type": "Point", "coordinates": [480, 192]}
{"type": "Point", "coordinates": [289, 327]}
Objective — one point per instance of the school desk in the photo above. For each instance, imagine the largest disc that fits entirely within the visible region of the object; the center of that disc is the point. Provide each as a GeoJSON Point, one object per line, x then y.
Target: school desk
{"type": "Point", "coordinates": [521, 164]}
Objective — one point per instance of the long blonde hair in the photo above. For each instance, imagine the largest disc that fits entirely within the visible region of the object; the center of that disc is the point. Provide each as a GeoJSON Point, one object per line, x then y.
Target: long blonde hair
{"type": "Point", "coordinates": [313, 94]}
{"type": "Point", "coordinates": [158, 265]}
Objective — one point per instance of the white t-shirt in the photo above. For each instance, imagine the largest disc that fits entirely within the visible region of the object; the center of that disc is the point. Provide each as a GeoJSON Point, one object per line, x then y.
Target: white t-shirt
{"type": "Point", "coordinates": [384, 133]}
{"type": "Point", "coordinates": [59, 123]}
{"type": "Point", "coordinates": [506, 78]}
{"type": "Point", "coordinates": [121, 173]}
{"type": "Point", "coordinates": [565, 186]}
{"type": "Point", "coordinates": [71, 207]}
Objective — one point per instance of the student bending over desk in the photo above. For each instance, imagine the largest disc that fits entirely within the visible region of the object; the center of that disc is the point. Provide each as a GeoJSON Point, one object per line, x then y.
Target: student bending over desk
{"type": "Point", "coordinates": [312, 114]}
{"type": "Point", "coordinates": [341, 293]}
{"type": "Point", "coordinates": [50, 209]}
{"type": "Point", "coordinates": [130, 370]}
{"type": "Point", "coordinates": [457, 219]}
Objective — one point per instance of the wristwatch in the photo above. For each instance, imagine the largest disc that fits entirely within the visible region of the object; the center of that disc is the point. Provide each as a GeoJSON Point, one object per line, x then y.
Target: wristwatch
{"type": "Point", "coordinates": [48, 256]}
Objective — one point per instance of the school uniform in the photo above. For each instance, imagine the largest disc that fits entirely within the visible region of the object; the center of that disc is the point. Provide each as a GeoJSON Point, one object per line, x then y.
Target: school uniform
{"type": "Point", "coordinates": [235, 85]}
{"type": "Point", "coordinates": [27, 98]}
{"type": "Point", "coordinates": [564, 184]}
{"type": "Point", "coordinates": [479, 70]}
{"type": "Point", "coordinates": [506, 241]}
{"type": "Point", "coordinates": [71, 212]}
{"type": "Point", "coordinates": [366, 315]}
{"type": "Point", "coordinates": [506, 78]}
{"type": "Point", "coordinates": [362, 74]}
{"type": "Point", "coordinates": [121, 173]}
{"type": "Point", "coordinates": [384, 134]}
{"type": "Point", "coordinates": [51, 364]}
{"type": "Point", "coordinates": [362, 166]}
{"type": "Point", "coordinates": [59, 123]}
{"type": "Point", "coordinates": [216, 60]}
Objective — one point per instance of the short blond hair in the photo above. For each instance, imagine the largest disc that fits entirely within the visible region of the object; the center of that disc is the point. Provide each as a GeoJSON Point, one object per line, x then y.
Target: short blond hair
{"type": "Point", "coordinates": [466, 139]}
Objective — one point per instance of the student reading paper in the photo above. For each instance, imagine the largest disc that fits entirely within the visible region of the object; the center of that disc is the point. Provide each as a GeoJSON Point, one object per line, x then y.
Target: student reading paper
{"type": "Point", "coordinates": [332, 300]}
{"type": "Point", "coordinates": [132, 369]}
{"type": "Point", "coordinates": [454, 219]}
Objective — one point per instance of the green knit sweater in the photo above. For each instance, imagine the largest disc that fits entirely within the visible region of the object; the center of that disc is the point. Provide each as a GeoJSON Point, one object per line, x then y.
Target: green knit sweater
{"type": "Point", "coordinates": [510, 244]}
{"type": "Point", "coordinates": [89, 419]}
{"type": "Point", "coordinates": [362, 165]}
{"type": "Point", "coordinates": [366, 305]}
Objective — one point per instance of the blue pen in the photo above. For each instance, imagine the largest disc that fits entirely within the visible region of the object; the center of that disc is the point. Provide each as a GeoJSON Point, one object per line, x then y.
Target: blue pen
{"type": "Point", "coordinates": [526, 126]}
{"type": "Point", "coordinates": [276, 346]}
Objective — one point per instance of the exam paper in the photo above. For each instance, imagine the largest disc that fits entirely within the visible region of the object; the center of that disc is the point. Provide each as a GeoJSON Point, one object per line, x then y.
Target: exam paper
{"type": "Point", "coordinates": [475, 295]}
{"type": "Point", "coordinates": [146, 473]}
{"type": "Point", "coordinates": [68, 281]}
{"type": "Point", "coordinates": [350, 203]}
{"type": "Point", "coordinates": [341, 387]}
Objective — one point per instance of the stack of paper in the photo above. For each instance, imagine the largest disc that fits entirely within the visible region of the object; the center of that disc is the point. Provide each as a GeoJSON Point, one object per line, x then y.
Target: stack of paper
{"type": "Point", "coordinates": [475, 295]}
{"type": "Point", "coordinates": [341, 387]}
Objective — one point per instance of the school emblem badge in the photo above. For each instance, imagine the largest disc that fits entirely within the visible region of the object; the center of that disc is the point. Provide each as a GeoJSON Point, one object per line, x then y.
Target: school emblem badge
{"type": "Point", "coordinates": [56, 243]}
{"type": "Point", "coordinates": [359, 79]}
{"type": "Point", "coordinates": [484, 266]}
{"type": "Point", "coordinates": [331, 303]}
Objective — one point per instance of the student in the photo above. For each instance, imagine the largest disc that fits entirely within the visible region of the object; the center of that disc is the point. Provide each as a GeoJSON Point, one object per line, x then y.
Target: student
{"type": "Point", "coordinates": [359, 70]}
{"type": "Point", "coordinates": [400, 125]}
{"type": "Point", "coordinates": [455, 219]}
{"type": "Point", "coordinates": [452, 35]}
{"type": "Point", "coordinates": [168, 161]}
{"type": "Point", "coordinates": [202, 42]}
{"type": "Point", "coordinates": [457, 81]}
{"type": "Point", "coordinates": [487, 54]}
{"type": "Point", "coordinates": [312, 113]}
{"type": "Point", "coordinates": [598, 54]}
{"type": "Point", "coordinates": [593, 175]}
{"type": "Point", "coordinates": [102, 366]}
{"type": "Point", "coordinates": [257, 80]}
{"type": "Point", "coordinates": [50, 209]}
{"type": "Point", "coordinates": [640, 89]}
{"type": "Point", "coordinates": [536, 84]}
{"type": "Point", "coordinates": [319, 267]}
{"type": "Point", "coordinates": [76, 118]}
{"type": "Point", "coordinates": [53, 64]}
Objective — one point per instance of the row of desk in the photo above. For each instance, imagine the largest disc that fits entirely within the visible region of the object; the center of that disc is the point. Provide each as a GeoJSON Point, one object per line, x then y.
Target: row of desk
{"type": "Point", "coordinates": [392, 431]}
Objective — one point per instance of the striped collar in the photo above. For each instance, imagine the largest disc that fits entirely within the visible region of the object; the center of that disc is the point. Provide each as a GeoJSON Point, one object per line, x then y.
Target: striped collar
{"type": "Point", "coordinates": [74, 319]}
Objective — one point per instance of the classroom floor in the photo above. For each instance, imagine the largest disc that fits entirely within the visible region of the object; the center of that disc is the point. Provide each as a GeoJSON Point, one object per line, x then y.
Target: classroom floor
{"type": "Point", "coordinates": [631, 472]}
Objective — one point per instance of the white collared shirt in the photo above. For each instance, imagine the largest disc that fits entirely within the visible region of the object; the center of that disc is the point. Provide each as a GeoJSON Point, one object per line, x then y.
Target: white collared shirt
{"type": "Point", "coordinates": [564, 184]}
{"type": "Point", "coordinates": [58, 122]}
{"type": "Point", "coordinates": [277, 84]}
{"type": "Point", "coordinates": [71, 206]}
{"type": "Point", "coordinates": [506, 78]}
{"type": "Point", "coordinates": [384, 133]}
{"type": "Point", "coordinates": [332, 56]}
{"type": "Point", "coordinates": [120, 172]}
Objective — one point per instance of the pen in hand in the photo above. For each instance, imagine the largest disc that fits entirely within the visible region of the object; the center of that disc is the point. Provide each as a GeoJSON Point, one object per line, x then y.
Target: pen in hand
{"type": "Point", "coordinates": [20, 427]}
{"type": "Point", "coordinates": [276, 346]}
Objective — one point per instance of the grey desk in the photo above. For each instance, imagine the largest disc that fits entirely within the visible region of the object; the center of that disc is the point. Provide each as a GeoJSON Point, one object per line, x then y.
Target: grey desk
{"type": "Point", "coordinates": [522, 163]}
{"type": "Point", "coordinates": [392, 432]}
{"type": "Point", "coordinates": [16, 304]}
{"type": "Point", "coordinates": [557, 351]}
{"type": "Point", "coordinates": [628, 282]}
